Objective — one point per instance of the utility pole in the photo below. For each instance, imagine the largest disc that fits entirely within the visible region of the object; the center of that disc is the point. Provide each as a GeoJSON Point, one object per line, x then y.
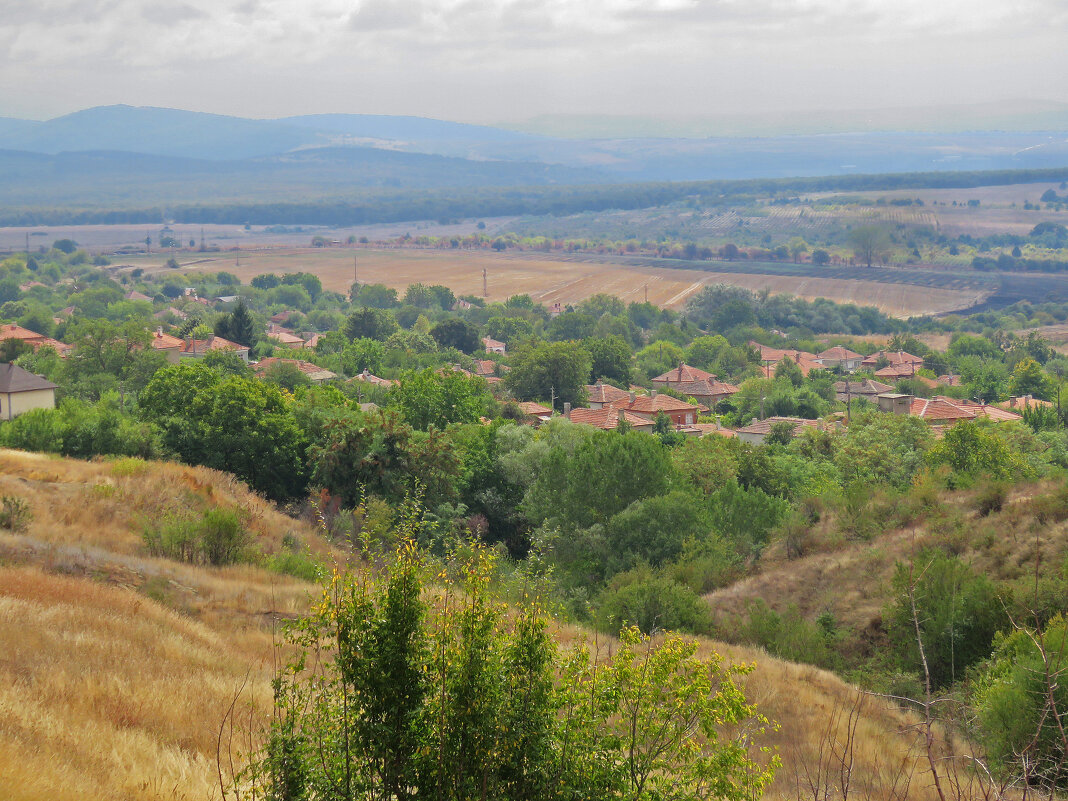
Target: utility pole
{"type": "Point", "coordinates": [485, 291]}
{"type": "Point", "coordinates": [646, 293]}
{"type": "Point", "coordinates": [202, 248]}
{"type": "Point", "coordinates": [849, 402]}
{"type": "Point", "coordinates": [27, 241]}
{"type": "Point", "coordinates": [552, 398]}
{"type": "Point", "coordinates": [355, 278]}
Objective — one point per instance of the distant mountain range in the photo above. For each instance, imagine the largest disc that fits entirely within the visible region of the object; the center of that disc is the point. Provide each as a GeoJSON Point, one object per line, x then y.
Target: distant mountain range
{"type": "Point", "coordinates": [117, 154]}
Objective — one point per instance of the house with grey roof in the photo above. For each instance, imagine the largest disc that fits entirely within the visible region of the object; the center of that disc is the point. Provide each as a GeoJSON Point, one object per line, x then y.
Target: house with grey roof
{"type": "Point", "coordinates": [21, 391]}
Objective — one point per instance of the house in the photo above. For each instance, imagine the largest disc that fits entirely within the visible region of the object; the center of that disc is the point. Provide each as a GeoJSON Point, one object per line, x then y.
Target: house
{"type": "Point", "coordinates": [707, 391]}
{"type": "Point", "coordinates": [493, 346]}
{"type": "Point", "coordinates": [21, 391]}
{"type": "Point", "coordinates": [896, 357]}
{"type": "Point", "coordinates": [315, 373]}
{"type": "Point", "coordinates": [198, 348]}
{"type": "Point", "coordinates": [706, 429]}
{"type": "Point", "coordinates": [284, 337]}
{"type": "Point", "coordinates": [840, 357]}
{"type": "Point", "coordinates": [485, 368]}
{"type": "Point", "coordinates": [607, 418]}
{"type": "Point", "coordinates": [33, 339]}
{"type": "Point", "coordinates": [769, 357]}
{"type": "Point", "coordinates": [12, 331]}
{"type": "Point", "coordinates": [980, 409]}
{"type": "Point", "coordinates": [652, 405]}
{"type": "Point", "coordinates": [846, 391]}
{"type": "Point", "coordinates": [281, 317]}
{"type": "Point", "coordinates": [683, 374]}
{"type": "Point", "coordinates": [756, 432]}
{"type": "Point", "coordinates": [943, 411]}
{"type": "Point", "coordinates": [1022, 403]}
{"type": "Point", "coordinates": [133, 294]}
{"type": "Point", "coordinates": [170, 346]}
{"type": "Point", "coordinates": [601, 395]}
{"type": "Point", "coordinates": [899, 371]}
{"type": "Point", "coordinates": [537, 413]}
{"type": "Point", "coordinates": [170, 310]}
{"type": "Point", "coordinates": [368, 378]}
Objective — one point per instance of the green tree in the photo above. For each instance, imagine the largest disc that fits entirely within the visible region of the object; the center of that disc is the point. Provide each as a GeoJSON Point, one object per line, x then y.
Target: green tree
{"type": "Point", "coordinates": [435, 399]}
{"type": "Point", "coordinates": [458, 334]}
{"type": "Point", "coordinates": [231, 423]}
{"type": "Point", "coordinates": [957, 610]}
{"type": "Point", "coordinates": [378, 453]}
{"type": "Point", "coordinates": [976, 449]}
{"type": "Point", "coordinates": [869, 242]}
{"type": "Point", "coordinates": [287, 376]}
{"type": "Point", "coordinates": [1021, 702]}
{"type": "Point", "coordinates": [610, 358]}
{"type": "Point", "coordinates": [544, 369]}
{"type": "Point", "coordinates": [464, 702]}
{"type": "Point", "coordinates": [238, 326]}
{"type": "Point", "coordinates": [1029, 379]}
{"type": "Point", "coordinates": [704, 351]}
{"type": "Point", "coordinates": [370, 323]}
{"type": "Point", "coordinates": [603, 474]}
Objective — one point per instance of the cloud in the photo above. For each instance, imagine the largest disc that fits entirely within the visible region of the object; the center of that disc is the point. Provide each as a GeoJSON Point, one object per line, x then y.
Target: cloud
{"type": "Point", "coordinates": [510, 58]}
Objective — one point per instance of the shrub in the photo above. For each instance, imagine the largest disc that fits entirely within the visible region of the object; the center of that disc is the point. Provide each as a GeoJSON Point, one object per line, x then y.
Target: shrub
{"type": "Point", "coordinates": [15, 513]}
{"type": "Point", "coordinates": [653, 604]}
{"type": "Point", "coordinates": [1051, 507]}
{"type": "Point", "coordinates": [991, 498]}
{"type": "Point", "coordinates": [218, 537]}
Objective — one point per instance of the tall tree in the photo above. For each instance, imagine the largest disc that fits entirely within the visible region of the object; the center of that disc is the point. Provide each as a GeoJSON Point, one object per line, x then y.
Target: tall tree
{"type": "Point", "coordinates": [551, 369]}
{"type": "Point", "coordinates": [869, 242]}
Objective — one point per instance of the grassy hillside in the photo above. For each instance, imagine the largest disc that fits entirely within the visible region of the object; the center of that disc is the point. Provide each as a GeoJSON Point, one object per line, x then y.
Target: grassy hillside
{"type": "Point", "coordinates": [116, 667]}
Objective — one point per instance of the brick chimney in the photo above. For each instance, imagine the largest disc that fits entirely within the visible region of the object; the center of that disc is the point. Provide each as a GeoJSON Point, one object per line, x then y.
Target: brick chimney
{"type": "Point", "coordinates": [633, 397]}
{"type": "Point", "coordinates": [652, 394]}
{"type": "Point", "coordinates": [567, 410]}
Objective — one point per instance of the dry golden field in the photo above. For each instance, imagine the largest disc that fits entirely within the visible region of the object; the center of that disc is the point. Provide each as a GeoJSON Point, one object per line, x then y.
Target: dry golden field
{"type": "Point", "coordinates": [554, 279]}
{"type": "Point", "coordinates": [116, 669]}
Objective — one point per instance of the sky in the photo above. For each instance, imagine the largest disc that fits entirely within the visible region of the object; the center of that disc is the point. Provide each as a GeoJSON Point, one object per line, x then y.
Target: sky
{"type": "Point", "coordinates": [508, 60]}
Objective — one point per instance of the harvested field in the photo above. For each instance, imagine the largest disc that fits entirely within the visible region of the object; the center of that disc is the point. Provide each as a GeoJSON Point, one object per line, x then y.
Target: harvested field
{"type": "Point", "coordinates": [560, 279]}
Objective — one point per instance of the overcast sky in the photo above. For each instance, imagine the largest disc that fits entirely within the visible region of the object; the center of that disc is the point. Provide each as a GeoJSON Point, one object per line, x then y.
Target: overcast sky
{"type": "Point", "coordinates": [499, 60]}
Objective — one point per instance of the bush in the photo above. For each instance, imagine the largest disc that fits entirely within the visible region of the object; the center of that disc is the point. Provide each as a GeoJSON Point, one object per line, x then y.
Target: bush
{"type": "Point", "coordinates": [991, 498]}
{"type": "Point", "coordinates": [15, 513]}
{"type": "Point", "coordinates": [1051, 507]}
{"type": "Point", "coordinates": [218, 537]}
{"type": "Point", "coordinates": [653, 604]}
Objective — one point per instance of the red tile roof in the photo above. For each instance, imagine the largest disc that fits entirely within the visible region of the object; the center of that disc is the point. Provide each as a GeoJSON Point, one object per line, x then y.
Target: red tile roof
{"type": "Point", "coordinates": [838, 352]}
{"type": "Point", "coordinates": [713, 428]}
{"type": "Point", "coordinates": [605, 393]}
{"type": "Point", "coordinates": [894, 357]}
{"type": "Point", "coordinates": [535, 409]}
{"type": "Point", "coordinates": [12, 331]}
{"type": "Point", "coordinates": [982, 409]}
{"type": "Point", "coordinates": [763, 427]}
{"type": "Point", "coordinates": [647, 404]}
{"type": "Point", "coordinates": [1026, 402]}
{"type": "Point", "coordinates": [705, 388]}
{"type": "Point", "coordinates": [373, 379]}
{"type": "Point", "coordinates": [313, 371]}
{"type": "Point", "coordinates": [607, 418]}
{"type": "Point", "coordinates": [937, 410]}
{"type": "Point", "coordinates": [162, 341]}
{"type": "Point", "coordinates": [897, 371]}
{"type": "Point", "coordinates": [195, 346]}
{"type": "Point", "coordinates": [684, 373]}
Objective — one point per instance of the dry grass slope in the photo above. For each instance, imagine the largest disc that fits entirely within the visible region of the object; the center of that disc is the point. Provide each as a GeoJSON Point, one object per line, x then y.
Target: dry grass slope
{"type": "Point", "coordinates": [116, 668]}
